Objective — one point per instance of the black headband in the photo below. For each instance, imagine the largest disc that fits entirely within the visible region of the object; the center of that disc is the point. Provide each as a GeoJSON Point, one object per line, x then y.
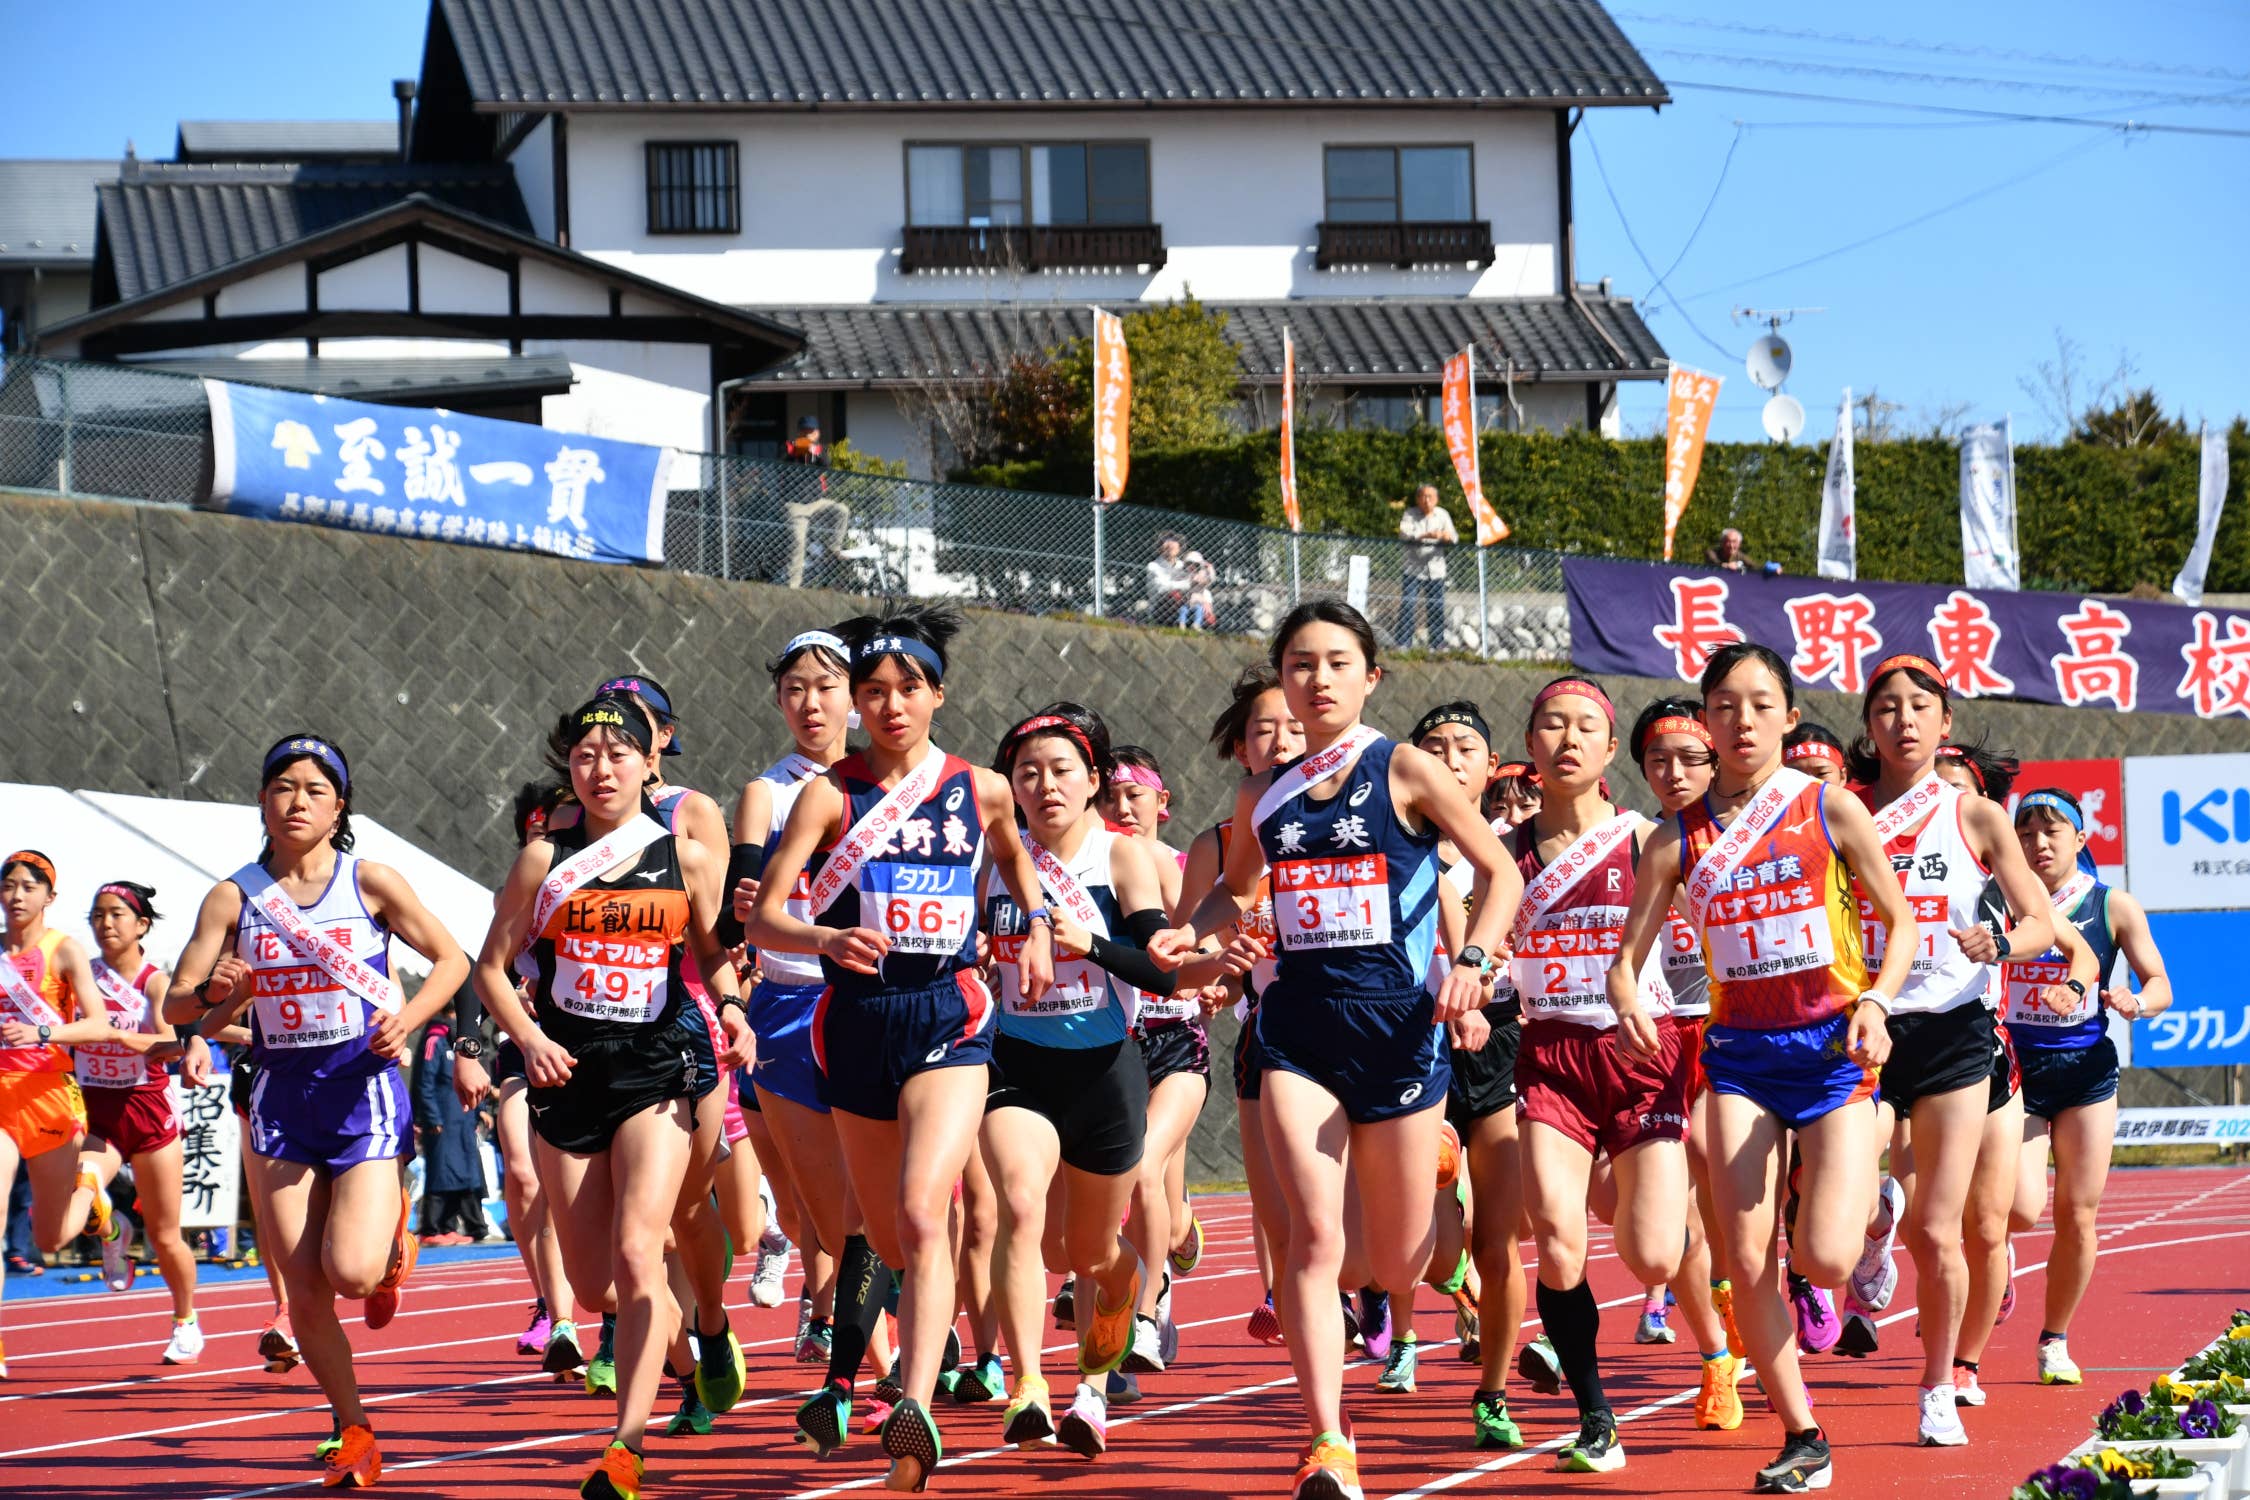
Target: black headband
{"type": "Point", "coordinates": [1438, 717]}
{"type": "Point", "coordinates": [618, 715]}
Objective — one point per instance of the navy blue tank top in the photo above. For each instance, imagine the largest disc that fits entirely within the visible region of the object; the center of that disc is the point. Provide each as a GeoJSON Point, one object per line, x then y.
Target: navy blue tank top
{"type": "Point", "coordinates": [919, 890]}
{"type": "Point", "coordinates": [2030, 1024]}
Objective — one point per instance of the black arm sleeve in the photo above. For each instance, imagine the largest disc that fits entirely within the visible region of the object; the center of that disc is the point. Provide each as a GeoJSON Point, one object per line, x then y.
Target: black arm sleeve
{"type": "Point", "coordinates": [744, 862]}
{"type": "Point", "coordinates": [468, 1011]}
{"type": "Point", "coordinates": [1129, 960]}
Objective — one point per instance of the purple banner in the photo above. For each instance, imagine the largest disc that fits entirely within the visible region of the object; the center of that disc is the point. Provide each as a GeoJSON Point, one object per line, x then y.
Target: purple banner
{"type": "Point", "coordinates": [1645, 620]}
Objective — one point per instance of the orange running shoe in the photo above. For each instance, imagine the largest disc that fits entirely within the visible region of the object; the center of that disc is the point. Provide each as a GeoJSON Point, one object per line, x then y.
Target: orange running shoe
{"type": "Point", "coordinates": [616, 1477]}
{"type": "Point", "coordinates": [1109, 1332]}
{"type": "Point", "coordinates": [357, 1463]}
{"type": "Point", "coordinates": [382, 1303]}
{"type": "Point", "coordinates": [1717, 1403]}
{"type": "Point", "coordinates": [1330, 1471]}
{"type": "Point", "coordinates": [1722, 1298]}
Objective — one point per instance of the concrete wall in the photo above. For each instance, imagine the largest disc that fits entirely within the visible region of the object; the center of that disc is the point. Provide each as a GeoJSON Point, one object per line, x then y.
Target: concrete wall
{"type": "Point", "coordinates": [159, 651]}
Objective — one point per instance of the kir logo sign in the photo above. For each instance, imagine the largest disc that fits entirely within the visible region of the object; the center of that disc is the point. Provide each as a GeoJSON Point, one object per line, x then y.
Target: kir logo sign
{"type": "Point", "coordinates": [2187, 822]}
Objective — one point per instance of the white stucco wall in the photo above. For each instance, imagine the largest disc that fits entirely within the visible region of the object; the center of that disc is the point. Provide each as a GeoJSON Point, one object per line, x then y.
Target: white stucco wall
{"type": "Point", "coordinates": [454, 283]}
{"type": "Point", "coordinates": [534, 161]}
{"type": "Point", "coordinates": [638, 392]}
{"type": "Point", "coordinates": [874, 424]}
{"type": "Point", "coordinates": [373, 283]}
{"type": "Point", "coordinates": [281, 289]}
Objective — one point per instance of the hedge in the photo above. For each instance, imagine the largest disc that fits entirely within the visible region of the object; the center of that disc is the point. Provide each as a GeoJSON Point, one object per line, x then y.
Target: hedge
{"type": "Point", "coordinates": [2092, 518]}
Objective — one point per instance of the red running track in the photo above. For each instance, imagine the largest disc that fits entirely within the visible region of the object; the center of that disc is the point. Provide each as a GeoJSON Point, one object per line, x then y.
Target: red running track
{"type": "Point", "coordinates": [92, 1413]}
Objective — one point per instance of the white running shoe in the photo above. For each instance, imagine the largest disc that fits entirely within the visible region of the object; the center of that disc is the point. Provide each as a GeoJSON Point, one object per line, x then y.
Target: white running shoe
{"type": "Point", "coordinates": [187, 1343]}
{"type": "Point", "coordinates": [765, 1283]}
{"type": "Point", "coordinates": [1875, 1278]}
{"type": "Point", "coordinates": [118, 1269]}
{"type": "Point", "coordinates": [1941, 1421]}
{"type": "Point", "coordinates": [2056, 1367]}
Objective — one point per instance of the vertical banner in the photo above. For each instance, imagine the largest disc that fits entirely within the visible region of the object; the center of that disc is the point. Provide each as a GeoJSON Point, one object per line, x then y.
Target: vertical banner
{"type": "Point", "coordinates": [1988, 509]}
{"type": "Point", "coordinates": [1839, 523]}
{"type": "Point", "coordinates": [211, 1155]}
{"type": "Point", "coordinates": [1113, 407]}
{"type": "Point", "coordinates": [1289, 510]}
{"type": "Point", "coordinates": [1687, 421]}
{"type": "Point", "coordinates": [2209, 502]}
{"type": "Point", "coordinates": [1460, 414]}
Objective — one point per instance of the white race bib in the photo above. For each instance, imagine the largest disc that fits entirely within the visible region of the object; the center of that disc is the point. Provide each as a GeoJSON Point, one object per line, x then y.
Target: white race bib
{"type": "Point", "coordinates": [112, 1065]}
{"type": "Point", "coordinates": [923, 909]}
{"type": "Point", "coordinates": [612, 979]}
{"type": "Point", "coordinates": [304, 1007]}
{"type": "Point", "coordinates": [1333, 903]}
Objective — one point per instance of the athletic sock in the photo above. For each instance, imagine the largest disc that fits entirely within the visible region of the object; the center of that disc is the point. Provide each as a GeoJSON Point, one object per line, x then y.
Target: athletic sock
{"type": "Point", "coordinates": [1720, 1353]}
{"type": "Point", "coordinates": [1966, 1364]}
{"type": "Point", "coordinates": [860, 1282]}
{"type": "Point", "coordinates": [1573, 1321]}
{"type": "Point", "coordinates": [2049, 1336]}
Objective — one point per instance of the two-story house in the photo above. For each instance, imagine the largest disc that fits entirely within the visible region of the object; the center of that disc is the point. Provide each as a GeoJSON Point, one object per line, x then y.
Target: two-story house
{"type": "Point", "coordinates": [845, 210]}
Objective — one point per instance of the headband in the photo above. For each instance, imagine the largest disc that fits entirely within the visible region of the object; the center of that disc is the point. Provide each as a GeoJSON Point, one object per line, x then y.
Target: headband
{"type": "Point", "coordinates": [135, 902]}
{"type": "Point", "coordinates": [1437, 718]}
{"type": "Point", "coordinates": [1956, 753]}
{"type": "Point", "coordinates": [900, 645]}
{"type": "Point", "coordinates": [1051, 724]}
{"type": "Point", "coordinates": [2049, 802]}
{"type": "Point", "coordinates": [805, 639]}
{"type": "Point", "coordinates": [1680, 724]}
{"type": "Point", "coordinates": [37, 861]}
{"type": "Point", "coordinates": [654, 697]}
{"type": "Point", "coordinates": [1813, 750]}
{"type": "Point", "coordinates": [1521, 770]}
{"type": "Point", "coordinates": [610, 713]}
{"type": "Point", "coordinates": [1143, 776]}
{"type": "Point", "coordinates": [1922, 664]}
{"type": "Point", "coordinates": [331, 759]}
{"type": "Point", "coordinates": [1578, 687]}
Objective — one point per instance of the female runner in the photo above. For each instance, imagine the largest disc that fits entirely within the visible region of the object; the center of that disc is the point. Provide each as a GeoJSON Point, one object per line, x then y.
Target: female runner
{"type": "Point", "coordinates": [1795, 1032]}
{"type": "Point", "coordinates": [905, 1031]}
{"type": "Point", "coordinates": [1353, 1045]}
{"type": "Point", "coordinates": [1814, 749]}
{"type": "Point", "coordinates": [2069, 1063]}
{"type": "Point", "coordinates": [1514, 794]}
{"type": "Point", "coordinates": [1938, 1076]}
{"type": "Point", "coordinates": [610, 909]}
{"type": "Point", "coordinates": [300, 940]}
{"type": "Point", "coordinates": [130, 1116]}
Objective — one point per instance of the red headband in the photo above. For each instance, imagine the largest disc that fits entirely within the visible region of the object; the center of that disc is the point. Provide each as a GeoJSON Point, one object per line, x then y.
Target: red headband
{"type": "Point", "coordinates": [1579, 687]}
{"type": "Point", "coordinates": [1922, 664]}
{"type": "Point", "coordinates": [1813, 750]}
{"type": "Point", "coordinates": [37, 861]}
{"type": "Point", "coordinates": [1681, 724]}
{"type": "Point", "coordinates": [1956, 753]}
{"type": "Point", "coordinates": [1522, 770]}
{"type": "Point", "coordinates": [1052, 724]}
{"type": "Point", "coordinates": [134, 901]}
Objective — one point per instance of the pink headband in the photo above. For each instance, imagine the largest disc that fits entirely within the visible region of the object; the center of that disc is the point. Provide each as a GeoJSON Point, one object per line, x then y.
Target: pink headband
{"type": "Point", "coordinates": [1576, 687]}
{"type": "Point", "coordinates": [1143, 776]}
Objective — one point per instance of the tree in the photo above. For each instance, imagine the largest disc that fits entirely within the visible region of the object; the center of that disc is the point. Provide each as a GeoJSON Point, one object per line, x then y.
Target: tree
{"type": "Point", "coordinates": [2134, 420]}
{"type": "Point", "coordinates": [1185, 375]}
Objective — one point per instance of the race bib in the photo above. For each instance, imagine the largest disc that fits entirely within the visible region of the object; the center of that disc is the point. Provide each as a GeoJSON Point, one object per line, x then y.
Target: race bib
{"type": "Point", "coordinates": [1562, 971]}
{"type": "Point", "coordinates": [1931, 917]}
{"type": "Point", "coordinates": [2026, 980]}
{"type": "Point", "coordinates": [106, 1065]}
{"type": "Point", "coordinates": [1080, 987]}
{"type": "Point", "coordinates": [612, 979]}
{"type": "Point", "coordinates": [923, 909]}
{"type": "Point", "coordinates": [302, 1006]}
{"type": "Point", "coordinates": [1333, 903]}
{"type": "Point", "coordinates": [1781, 928]}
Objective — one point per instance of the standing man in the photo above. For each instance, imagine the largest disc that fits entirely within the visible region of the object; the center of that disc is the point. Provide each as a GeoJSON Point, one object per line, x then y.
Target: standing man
{"type": "Point", "coordinates": [1426, 529]}
{"type": "Point", "coordinates": [816, 506]}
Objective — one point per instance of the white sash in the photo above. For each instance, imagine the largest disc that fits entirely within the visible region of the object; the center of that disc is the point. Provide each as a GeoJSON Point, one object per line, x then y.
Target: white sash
{"type": "Point", "coordinates": [622, 842]}
{"type": "Point", "coordinates": [1066, 888]}
{"type": "Point", "coordinates": [1754, 822]}
{"type": "Point", "coordinates": [2072, 892]}
{"type": "Point", "coordinates": [794, 767]}
{"type": "Point", "coordinates": [26, 1001]}
{"type": "Point", "coordinates": [1567, 869]}
{"type": "Point", "coordinates": [1311, 771]}
{"type": "Point", "coordinates": [125, 997]}
{"type": "Point", "coordinates": [310, 942]}
{"type": "Point", "coordinates": [1900, 815]}
{"type": "Point", "coordinates": [872, 833]}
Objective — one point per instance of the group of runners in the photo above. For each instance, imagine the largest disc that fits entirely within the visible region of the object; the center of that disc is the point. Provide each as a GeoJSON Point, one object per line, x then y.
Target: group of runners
{"type": "Point", "coordinates": [941, 1024]}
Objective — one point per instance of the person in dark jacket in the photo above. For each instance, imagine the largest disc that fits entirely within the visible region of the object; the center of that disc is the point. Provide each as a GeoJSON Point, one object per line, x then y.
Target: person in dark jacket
{"type": "Point", "coordinates": [445, 1136]}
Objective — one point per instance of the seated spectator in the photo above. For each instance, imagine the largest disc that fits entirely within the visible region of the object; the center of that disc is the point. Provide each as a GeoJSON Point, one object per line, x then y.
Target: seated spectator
{"type": "Point", "coordinates": [1728, 553]}
{"type": "Point", "coordinates": [1197, 611]}
{"type": "Point", "coordinates": [1168, 580]}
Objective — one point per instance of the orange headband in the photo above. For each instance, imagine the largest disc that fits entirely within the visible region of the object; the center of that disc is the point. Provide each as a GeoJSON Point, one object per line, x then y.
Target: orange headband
{"type": "Point", "coordinates": [37, 861]}
{"type": "Point", "coordinates": [1813, 750]}
{"type": "Point", "coordinates": [1681, 724]}
{"type": "Point", "coordinates": [1922, 664]}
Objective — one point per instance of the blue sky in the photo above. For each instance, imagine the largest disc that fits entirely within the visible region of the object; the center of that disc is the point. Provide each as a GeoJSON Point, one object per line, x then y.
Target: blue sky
{"type": "Point", "coordinates": [2129, 244]}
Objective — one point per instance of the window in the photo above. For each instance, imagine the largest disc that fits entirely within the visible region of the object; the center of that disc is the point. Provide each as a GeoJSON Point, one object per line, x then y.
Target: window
{"type": "Point", "coordinates": [1394, 410]}
{"type": "Point", "coordinates": [984, 185]}
{"type": "Point", "coordinates": [1395, 184]}
{"type": "Point", "coordinates": [694, 187]}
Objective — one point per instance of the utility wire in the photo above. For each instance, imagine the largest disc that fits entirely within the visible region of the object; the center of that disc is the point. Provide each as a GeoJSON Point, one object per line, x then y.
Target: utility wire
{"type": "Point", "coordinates": [1700, 220]}
{"type": "Point", "coordinates": [1634, 240]}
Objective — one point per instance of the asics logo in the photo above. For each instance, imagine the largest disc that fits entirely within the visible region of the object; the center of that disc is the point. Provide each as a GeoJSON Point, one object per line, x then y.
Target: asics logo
{"type": "Point", "coordinates": [1361, 795]}
{"type": "Point", "coordinates": [1413, 1092]}
{"type": "Point", "coordinates": [936, 1055]}
{"type": "Point", "coordinates": [953, 799]}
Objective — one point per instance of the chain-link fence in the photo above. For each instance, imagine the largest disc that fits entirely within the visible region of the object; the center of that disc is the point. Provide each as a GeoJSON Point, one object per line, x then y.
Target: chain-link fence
{"type": "Point", "coordinates": [121, 432]}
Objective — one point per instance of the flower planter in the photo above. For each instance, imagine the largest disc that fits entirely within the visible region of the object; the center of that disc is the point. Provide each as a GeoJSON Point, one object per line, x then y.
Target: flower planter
{"type": "Point", "coordinates": [2230, 1454]}
{"type": "Point", "coordinates": [2208, 1482]}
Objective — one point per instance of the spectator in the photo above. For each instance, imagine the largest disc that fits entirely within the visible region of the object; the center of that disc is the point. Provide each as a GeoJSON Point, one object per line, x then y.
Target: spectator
{"type": "Point", "coordinates": [1168, 580]}
{"type": "Point", "coordinates": [445, 1136]}
{"type": "Point", "coordinates": [831, 515]}
{"type": "Point", "coordinates": [1198, 611]}
{"type": "Point", "coordinates": [1427, 530]}
{"type": "Point", "coordinates": [23, 1255]}
{"type": "Point", "coordinates": [1728, 553]}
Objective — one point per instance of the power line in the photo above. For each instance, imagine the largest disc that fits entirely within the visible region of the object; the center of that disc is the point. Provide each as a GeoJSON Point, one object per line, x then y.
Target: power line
{"type": "Point", "coordinates": [2130, 96]}
{"type": "Point", "coordinates": [1602, 169]}
{"type": "Point", "coordinates": [2135, 127]}
{"type": "Point", "coordinates": [1701, 219]}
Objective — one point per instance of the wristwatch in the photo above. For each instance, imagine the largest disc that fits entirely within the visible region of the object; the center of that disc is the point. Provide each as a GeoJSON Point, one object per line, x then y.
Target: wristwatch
{"type": "Point", "coordinates": [1473, 957]}
{"type": "Point", "coordinates": [2075, 988]}
{"type": "Point", "coordinates": [45, 1032]}
{"type": "Point", "coordinates": [471, 1047]}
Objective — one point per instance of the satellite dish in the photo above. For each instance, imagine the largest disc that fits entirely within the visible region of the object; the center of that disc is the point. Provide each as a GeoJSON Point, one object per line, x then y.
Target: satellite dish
{"type": "Point", "coordinates": [1769, 360]}
{"type": "Point", "coordinates": [1784, 417]}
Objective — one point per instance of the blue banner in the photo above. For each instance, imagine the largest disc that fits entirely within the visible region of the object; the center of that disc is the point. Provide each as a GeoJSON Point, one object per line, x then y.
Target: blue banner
{"type": "Point", "coordinates": [2208, 1021]}
{"type": "Point", "coordinates": [438, 475]}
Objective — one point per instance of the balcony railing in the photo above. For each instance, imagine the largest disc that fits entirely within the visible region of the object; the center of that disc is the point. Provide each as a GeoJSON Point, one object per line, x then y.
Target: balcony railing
{"type": "Point", "coordinates": [1451, 242]}
{"type": "Point", "coordinates": [1041, 247]}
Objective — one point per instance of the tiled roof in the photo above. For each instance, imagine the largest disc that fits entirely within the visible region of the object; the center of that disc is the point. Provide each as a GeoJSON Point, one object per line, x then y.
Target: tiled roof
{"type": "Point", "coordinates": [47, 211]}
{"type": "Point", "coordinates": [435, 381]}
{"type": "Point", "coordinates": [986, 53]}
{"type": "Point", "coordinates": [285, 140]}
{"type": "Point", "coordinates": [1368, 341]}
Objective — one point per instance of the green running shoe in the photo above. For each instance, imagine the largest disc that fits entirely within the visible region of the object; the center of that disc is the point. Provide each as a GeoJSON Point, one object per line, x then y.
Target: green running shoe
{"type": "Point", "coordinates": [330, 1443]}
{"type": "Point", "coordinates": [910, 1437]}
{"type": "Point", "coordinates": [601, 1370]}
{"type": "Point", "coordinates": [1488, 1413]}
{"type": "Point", "coordinates": [1398, 1370]}
{"type": "Point", "coordinates": [982, 1381]}
{"type": "Point", "coordinates": [719, 1374]}
{"type": "Point", "coordinates": [825, 1421]}
{"type": "Point", "coordinates": [693, 1417]}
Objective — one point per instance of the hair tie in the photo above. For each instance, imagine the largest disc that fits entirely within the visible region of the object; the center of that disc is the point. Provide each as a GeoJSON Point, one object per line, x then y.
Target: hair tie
{"type": "Point", "coordinates": [330, 758]}
{"type": "Point", "coordinates": [1908, 660]}
{"type": "Point", "coordinates": [2049, 802]}
{"type": "Point", "coordinates": [37, 861]}
{"type": "Point", "coordinates": [1438, 718]}
{"type": "Point", "coordinates": [1578, 687]}
{"type": "Point", "coordinates": [1694, 729]}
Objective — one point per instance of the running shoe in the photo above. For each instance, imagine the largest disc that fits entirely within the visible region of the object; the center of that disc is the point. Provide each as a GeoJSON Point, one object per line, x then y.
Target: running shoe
{"type": "Point", "coordinates": [542, 1327]}
{"type": "Point", "coordinates": [952, 1355]}
{"type": "Point", "coordinates": [382, 1304]}
{"type": "Point", "coordinates": [719, 1375]}
{"type": "Point", "coordinates": [1652, 1329]}
{"type": "Point", "coordinates": [98, 1222]}
{"type": "Point", "coordinates": [825, 1421]}
{"type": "Point", "coordinates": [330, 1443]}
{"type": "Point", "coordinates": [1146, 1356]}
{"type": "Point", "coordinates": [878, 1412]}
{"type": "Point", "coordinates": [1066, 1304]}
{"type": "Point", "coordinates": [19, 1265]}
{"type": "Point", "coordinates": [1539, 1364]}
{"type": "Point", "coordinates": [615, 1476]}
{"type": "Point", "coordinates": [2056, 1367]}
{"type": "Point", "coordinates": [1123, 1389]}
{"type": "Point", "coordinates": [1397, 1378]}
{"type": "Point", "coordinates": [1375, 1322]}
{"type": "Point", "coordinates": [1966, 1391]}
{"type": "Point", "coordinates": [1168, 1332]}
{"type": "Point", "coordinates": [562, 1358]}
{"type": "Point", "coordinates": [1351, 1321]}
{"type": "Point", "coordinates": [118, 1270]}
{"type": "Point", "coordinates": [356, 1464]}
{"type": "Point", "coordinates": [815, 1342]}
{"type": "Point", "coordinates": [980, 1382]}
{"type": "Point", "coordinates": [1859, 1337]}
{"type": "Point", "coordinates": [1084, 1429]}
{"type": "Point", "coordinates": [1488, 1413]}
{"type": "Point", "coordinates": [1802, 1465]}
{"type": "Point", "coordinates": [1026, 1421]}
{"type": "Point", "coordinates": [1817, 1324]}
{"type": "Point", "coordinates": [1596, 1450]}
{"type": "Point", "coordinates": [1468, 1328]}
{"type": "Point", "coordinates": [1875, 1277]}
{"type": "Point", "coordinates": [1717, 1403]}
{"type": "Point", "coordinates": [1940, 1425]}
{"type": "Point", "coordinates": [186, 1346]}
{"type": "Point", "coordinates": [601, 1370]}
{"type": "Point", "coordinates": [766, 1289]}
{"type": "Point", "coordinates": [277, 1346]}
{"type": "Point", "coordinates": [693, 1417]}
{"type": "Point", "coordinates": [1109, 1332]}
{"type": "Point", "coordinates": [1722, 1298]}
{"type": "Point", "coordinates": [888, 1390]}
{"type": "Point", "coordinates": [2007, 1298]}
{"type": "Point", "coordinates": [910, 1437]}
{"type": "Point", "coordinates": [1265, 1324]}
{"type": "Point", "coordinates": [1188, 1253]}
{"type": "Point", "coordinates": [1330, 1471]}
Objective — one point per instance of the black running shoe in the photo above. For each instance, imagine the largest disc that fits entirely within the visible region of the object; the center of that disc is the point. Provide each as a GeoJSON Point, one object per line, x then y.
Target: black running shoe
{"type": "Point", "coordinates": [911, 1439]}
{"type": "Point", "coordinates": [1596, 1450]}
{"type": "Point", "coordinates": [1858, 1338]}
{"type": "Point", "coordinates": [1803, 1465]}
{"type": "Point", "coordinates": [1066, 1303]}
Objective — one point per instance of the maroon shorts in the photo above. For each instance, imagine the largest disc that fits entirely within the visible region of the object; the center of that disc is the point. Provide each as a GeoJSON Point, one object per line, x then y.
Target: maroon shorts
{"type": "Point", "coordinates": [1576, 1080]}
{"type": "Point", "coordinates": [132, 1120]}
{"type": "Point", "coordinates": [1691, 1046]}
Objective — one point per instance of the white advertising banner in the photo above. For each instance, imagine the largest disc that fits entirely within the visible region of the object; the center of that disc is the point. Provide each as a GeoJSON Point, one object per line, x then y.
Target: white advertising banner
{"type": "Point", "coordinates": [2211, 498]}
{"type": "Point", "coordinates": [2173, 1127]}
{"type": "Point", "coordinates": [211, 1164]}
{"type": "Point", "coordinates": [1839, 524]}
{"type": "Point", "coordinates": [2187, 831]}
{"type": "Point", "coordinates": [1989, 559]}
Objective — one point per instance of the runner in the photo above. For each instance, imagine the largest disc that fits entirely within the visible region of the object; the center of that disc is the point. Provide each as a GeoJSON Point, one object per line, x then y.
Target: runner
{"type": "Point", "coordinates": [612, 1073]}
{"type": "Point", "coordinates": [2069, 1062]}
{"type": "Point", "coordinates": [130, 1114]}
{"type": "Point", "coordinates": [905, 1031]}
{"type": "Point", "coordinates": [1352, 1042]}
{"type": "Point", "coordinates": [49, 1000]}
{"type": "Point", "coordinates": [1814, 749]}
{"type": "Point", "coordinates": [1944, 1042]}
{"type": "Point", "coordinates": [1590, 1085]}
{"type": "Point", "coordinates": [1514, 795]}
{"type": "Point", "coordinates": [1795, 1032]}
{"type": "Point", "coordinates": [299, 940]}
{"type": "Point", "coordinates": [1137, 802]}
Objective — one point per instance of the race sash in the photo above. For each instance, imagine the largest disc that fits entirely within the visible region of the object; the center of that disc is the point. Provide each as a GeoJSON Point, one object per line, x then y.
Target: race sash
{"type": "Point", "coordinates": [1066, 888]}
{"type": "Point", "coordinates": [1754, 822]}
{"type": "Point", "coordinates": [1565, 870]}
{"type": "Point", "coordinates": [1313, 770]}
{"type": "Point", "coordinates": [2071, 892]}
{"type": "Point", "coordinates": [872, 833]}
{"type": "Point", "coordinates": [1902, 814]}
{"type": "Point", "coordinates": [794, 767]}
{"type": "Point", "coordinates": [622, 842]}
{"type": "Point", "coordinates": [24, 1000]}
{"type": "Point", "coordinates": [128, 1005]}
{"type": "Point", "coordinates": [265, 895]}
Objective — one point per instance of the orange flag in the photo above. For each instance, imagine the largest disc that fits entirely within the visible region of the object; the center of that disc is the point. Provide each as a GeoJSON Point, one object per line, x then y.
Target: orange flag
{"type": "Point", "coordinates": [1113, 407]}
{"type": "Point", "coordinates": [1687, 422]}
{"type": "Point", "coordinates": [1289, 509]}
{"type": "Point", "coordinates": [1460, 411]}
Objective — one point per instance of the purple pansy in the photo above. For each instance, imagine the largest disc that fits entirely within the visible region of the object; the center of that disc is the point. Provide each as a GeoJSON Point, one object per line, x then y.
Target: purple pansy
{"type": "Point", "coordinates": [2200, 1420]}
